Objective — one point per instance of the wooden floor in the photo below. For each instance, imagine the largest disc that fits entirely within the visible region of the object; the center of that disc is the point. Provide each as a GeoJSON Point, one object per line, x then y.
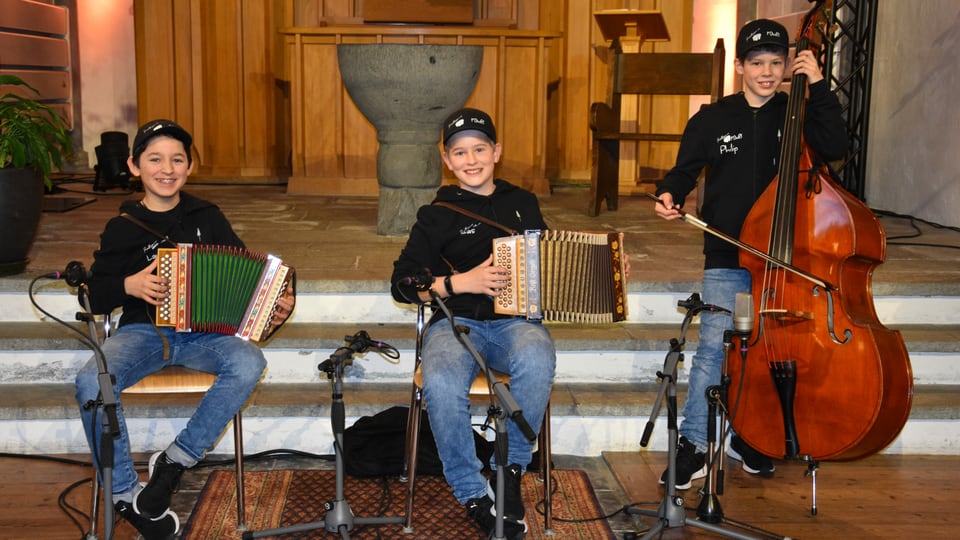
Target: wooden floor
{"type": "Point", "coordinates": [884, 496]}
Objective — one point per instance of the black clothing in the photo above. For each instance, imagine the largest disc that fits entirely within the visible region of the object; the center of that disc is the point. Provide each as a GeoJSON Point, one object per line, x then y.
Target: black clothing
{"type": "Point", "coordinates": [740, 145]}
{"type": "Point", "coordinates": [127, 248]}
{"type": "Point", "coordinates": [442, 236]}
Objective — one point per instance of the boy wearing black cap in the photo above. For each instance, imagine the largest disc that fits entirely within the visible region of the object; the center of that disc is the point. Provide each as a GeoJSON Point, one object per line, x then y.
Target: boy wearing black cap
{"type": "Point", "coordinates": [123, 275]}
{"type": "Point", "coordinates": [738, 139]}
{"type": "Point", "coordinates": [457, 250]}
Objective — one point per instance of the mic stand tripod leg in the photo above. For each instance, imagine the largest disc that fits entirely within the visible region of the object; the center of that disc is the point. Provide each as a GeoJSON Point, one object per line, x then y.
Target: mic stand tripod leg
{"type": "Point", "coordinates": [339, 517]}
{"type": "Point", "coordinates": [671, 512]}
{"type": "Point", "coordinates": [709, 511]}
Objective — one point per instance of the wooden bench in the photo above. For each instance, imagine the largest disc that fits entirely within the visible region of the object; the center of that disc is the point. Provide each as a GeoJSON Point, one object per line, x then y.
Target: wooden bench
{"type": "Point", "coordinates": [644, 74]}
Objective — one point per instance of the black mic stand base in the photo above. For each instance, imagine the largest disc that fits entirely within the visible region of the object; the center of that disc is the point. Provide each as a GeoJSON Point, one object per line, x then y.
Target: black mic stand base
{"type": "Point", "coordinates": [671, 512]}
{"type": "Point", "coordinates": [339, 517]}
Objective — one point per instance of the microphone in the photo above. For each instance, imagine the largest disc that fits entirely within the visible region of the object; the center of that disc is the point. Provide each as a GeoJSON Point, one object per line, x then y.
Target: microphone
{"type": "Point", "coordinates": [74, 274]}
{"type": "Point", "coordinates": [743, 314]}
{"type": "Point", "coordinates": [410, 286]}
{"type": "Point", "coordinates": [696, 305]}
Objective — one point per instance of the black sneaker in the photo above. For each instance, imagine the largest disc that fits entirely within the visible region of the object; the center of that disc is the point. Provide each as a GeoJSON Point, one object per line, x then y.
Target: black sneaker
{"type": "Point", "coordinates": [512, 500]}
{"type": "Point", "coordinates": [691, 465]}
{"type": "Point", "coordinates": [481, 511]}
{"type": "Point", "coordinates": [154, 499]}
{"type": "Point", "coordinates": [752, 461]}
{"type": "Point", "coordinates": [164, 527]}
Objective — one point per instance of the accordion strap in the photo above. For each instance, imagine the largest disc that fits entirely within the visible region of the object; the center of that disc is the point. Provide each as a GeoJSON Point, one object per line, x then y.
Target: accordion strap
{"type": "Point", "coordinates": [148, 228]}
{"type": "Point", "coordinates": [478, 217]}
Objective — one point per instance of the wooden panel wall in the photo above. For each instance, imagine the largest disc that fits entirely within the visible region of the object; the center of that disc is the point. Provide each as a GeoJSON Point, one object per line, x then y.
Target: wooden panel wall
{"type": "Point", "coordinates": [223, 68]}
{"type": "Point", "coordinates": [212, 67]}
{"type": "Point", "coordinates": [334, 146]}
{"type": "Point", "coordinates": [34, 46]}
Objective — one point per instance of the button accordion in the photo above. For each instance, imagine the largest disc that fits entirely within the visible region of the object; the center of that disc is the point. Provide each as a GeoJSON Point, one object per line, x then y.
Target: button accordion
{"type": "Point", "coordinates": [563, 276]}
{"type": "Point", "coordinates": [221, 289]}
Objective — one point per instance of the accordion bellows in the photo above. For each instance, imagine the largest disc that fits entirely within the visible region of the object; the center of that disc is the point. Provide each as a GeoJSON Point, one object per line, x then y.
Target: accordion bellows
{"type": "Point", "coordinates": [563, 276]}
{"type": "Point", "coordinates": [221, 289]}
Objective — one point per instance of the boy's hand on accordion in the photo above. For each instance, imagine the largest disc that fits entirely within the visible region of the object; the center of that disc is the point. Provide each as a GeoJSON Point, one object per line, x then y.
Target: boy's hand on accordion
{"type": "Point", "coordinates": [485, 278]}
{"type": "Point", "coordinates": [284, 309]}
{"type": "Point", "coordinates": [147, 286]}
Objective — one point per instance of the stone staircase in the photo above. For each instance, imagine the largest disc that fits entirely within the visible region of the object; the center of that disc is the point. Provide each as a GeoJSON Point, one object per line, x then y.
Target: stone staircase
{"type": "Point", "coordinates": [605, 388]}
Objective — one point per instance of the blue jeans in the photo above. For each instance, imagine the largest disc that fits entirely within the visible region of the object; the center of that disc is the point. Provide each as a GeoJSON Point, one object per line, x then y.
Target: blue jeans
{"type": "Point", "coordinates": [135, 351]}
{"type": "Point", "coordinates": [517, 347]}
{"type": "Point", "coordinates": [720, 288]}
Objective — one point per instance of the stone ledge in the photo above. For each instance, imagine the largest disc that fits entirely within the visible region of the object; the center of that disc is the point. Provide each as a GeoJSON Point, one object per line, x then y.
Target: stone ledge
{"type": "Point", "coordinates": [48, 336]}
{"type": "Point", "coordinates": [23, 402]}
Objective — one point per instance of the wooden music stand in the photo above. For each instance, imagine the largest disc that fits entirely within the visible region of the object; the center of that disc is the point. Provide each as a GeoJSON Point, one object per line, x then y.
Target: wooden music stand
{"type": "Point", "coordinates": [626, 30]}
{"type": "Point", "coordinates": [619, 25]}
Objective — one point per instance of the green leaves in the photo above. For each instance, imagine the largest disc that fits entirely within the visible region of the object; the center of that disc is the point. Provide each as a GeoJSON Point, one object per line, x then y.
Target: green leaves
{"type": "Point", "coordinates": [32, 135]}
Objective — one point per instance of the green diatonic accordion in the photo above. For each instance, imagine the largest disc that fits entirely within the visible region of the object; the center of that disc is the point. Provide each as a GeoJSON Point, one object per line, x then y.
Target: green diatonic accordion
{"type": "Point", "coordinates": [221, 289]}
{"type": "Point", "coordinates": [563, 276]}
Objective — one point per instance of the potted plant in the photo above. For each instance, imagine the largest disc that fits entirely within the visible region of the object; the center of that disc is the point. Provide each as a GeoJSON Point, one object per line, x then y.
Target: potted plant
{"type": "Point", "coordinates": [33, 140]}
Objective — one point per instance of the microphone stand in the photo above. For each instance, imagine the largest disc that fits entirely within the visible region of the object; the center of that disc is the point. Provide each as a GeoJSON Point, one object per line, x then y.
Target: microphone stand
{"type": "Point", "coordinates": [671, 512]}
{"type": "Point", "coordinates": [339, 517]}
{"type": "Point", "coordinates": [502, 407]}
{"type": "Point", "coordinates": [106, 400]}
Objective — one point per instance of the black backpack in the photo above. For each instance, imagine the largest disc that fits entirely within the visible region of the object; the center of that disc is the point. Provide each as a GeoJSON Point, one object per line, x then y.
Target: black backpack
{"type": "Point", "coordinates": [374, 445]}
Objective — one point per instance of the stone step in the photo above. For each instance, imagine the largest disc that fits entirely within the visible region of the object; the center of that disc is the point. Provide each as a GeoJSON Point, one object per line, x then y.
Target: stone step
{"type": "Point", "coordinates": [587, 419]}
{"type": "Point", "coordinates": [606, 374]}
{"type": "Point", "coordinates": [370, 302]}
{"type": "Point", "coordinates": [42, 352]}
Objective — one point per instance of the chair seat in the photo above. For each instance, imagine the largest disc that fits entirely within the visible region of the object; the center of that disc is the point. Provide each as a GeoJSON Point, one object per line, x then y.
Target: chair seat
{"type": "Point", "coordinates": [479, 386]}
{"type": "Point", "coordinates": [173, 380]}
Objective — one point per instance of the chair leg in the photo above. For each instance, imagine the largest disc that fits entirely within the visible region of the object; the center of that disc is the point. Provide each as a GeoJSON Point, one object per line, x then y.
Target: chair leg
{"type": "Point", "coordinates": [238, 459]}
{"type": "Point", "coordinates": [412, 449]}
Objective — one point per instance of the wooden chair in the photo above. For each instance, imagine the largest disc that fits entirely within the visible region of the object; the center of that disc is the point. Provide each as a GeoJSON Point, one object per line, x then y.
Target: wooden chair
{"type": "Point", "coordinates": [478, 390]}
{"type": "Point", "coordinates": [644, 74]}
{"type": "Point", "coordinates": [170, 381]}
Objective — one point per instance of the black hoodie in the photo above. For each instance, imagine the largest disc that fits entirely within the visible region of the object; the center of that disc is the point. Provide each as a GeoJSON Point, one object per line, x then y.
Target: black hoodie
{"type": "Point", "coordinates": [127, 248]}
{"type": "Point", "coordinates": [442, 236]}
{"type": "Point", "coordinates": [740, 145]}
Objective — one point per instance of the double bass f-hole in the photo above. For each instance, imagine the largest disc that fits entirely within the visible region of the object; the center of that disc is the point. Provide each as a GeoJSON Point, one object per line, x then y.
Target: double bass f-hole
{"type": "Point", "coordinates": [847, 333]}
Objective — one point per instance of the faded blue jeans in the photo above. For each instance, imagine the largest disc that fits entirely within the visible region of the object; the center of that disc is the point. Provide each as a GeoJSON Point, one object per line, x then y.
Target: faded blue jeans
{"type": "Point", "coordinates": [518, 347]}
{"type": "Point", "coordinates": [135, 351]}
{"type": "Point", "coordinates": [720, 288]}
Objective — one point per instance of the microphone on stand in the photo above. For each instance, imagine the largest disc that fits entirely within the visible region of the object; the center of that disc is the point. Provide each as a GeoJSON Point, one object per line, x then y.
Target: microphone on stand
{"type": "Point", "coordinates": [743, 320]}
{"type": "Point", "coordinates": [696, 305]}
{"type": "Point", "coordinates": [75, 274]}
{"type": "Point", "coordinates": [410, 287]}
{"type": "Point", "coordinates": [743, 314]}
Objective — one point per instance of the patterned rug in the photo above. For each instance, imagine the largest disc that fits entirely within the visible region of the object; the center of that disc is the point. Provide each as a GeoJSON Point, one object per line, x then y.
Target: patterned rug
{"type": "Point", "coordinates": [289, 497]}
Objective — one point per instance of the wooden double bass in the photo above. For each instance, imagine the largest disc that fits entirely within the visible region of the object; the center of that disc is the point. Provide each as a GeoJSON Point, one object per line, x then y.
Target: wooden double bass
{"type": "Point", "coordinates": [823, 379]}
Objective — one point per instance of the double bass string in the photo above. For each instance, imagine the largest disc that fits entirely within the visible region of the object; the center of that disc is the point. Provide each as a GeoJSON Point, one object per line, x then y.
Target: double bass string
{"type": "Point", "coordinates": [775, 312]}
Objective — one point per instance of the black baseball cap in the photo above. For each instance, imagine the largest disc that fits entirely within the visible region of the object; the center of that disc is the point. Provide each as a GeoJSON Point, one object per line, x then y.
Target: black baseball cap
{"type": "Point", "coordinates": [155, 128]}
{"type": "Point", "coordinates": [469, 120]}
{"type": "Point", "coordinates": [761, 32]}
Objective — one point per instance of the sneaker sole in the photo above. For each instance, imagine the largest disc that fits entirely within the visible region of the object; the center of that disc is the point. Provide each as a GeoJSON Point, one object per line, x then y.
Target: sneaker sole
{"type": "Point", "coordinates": [493, 509]}
{"type": "Point", "coordinates": [151, 465]}
{"type": "Point", "coordinates": [698, 474]}
{"type": "Point", "coordinates": [733, 454]}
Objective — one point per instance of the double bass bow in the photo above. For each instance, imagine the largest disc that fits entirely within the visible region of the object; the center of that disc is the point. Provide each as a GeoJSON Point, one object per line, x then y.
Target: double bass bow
{"type": "Point", "coordinates": [823, 379]}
